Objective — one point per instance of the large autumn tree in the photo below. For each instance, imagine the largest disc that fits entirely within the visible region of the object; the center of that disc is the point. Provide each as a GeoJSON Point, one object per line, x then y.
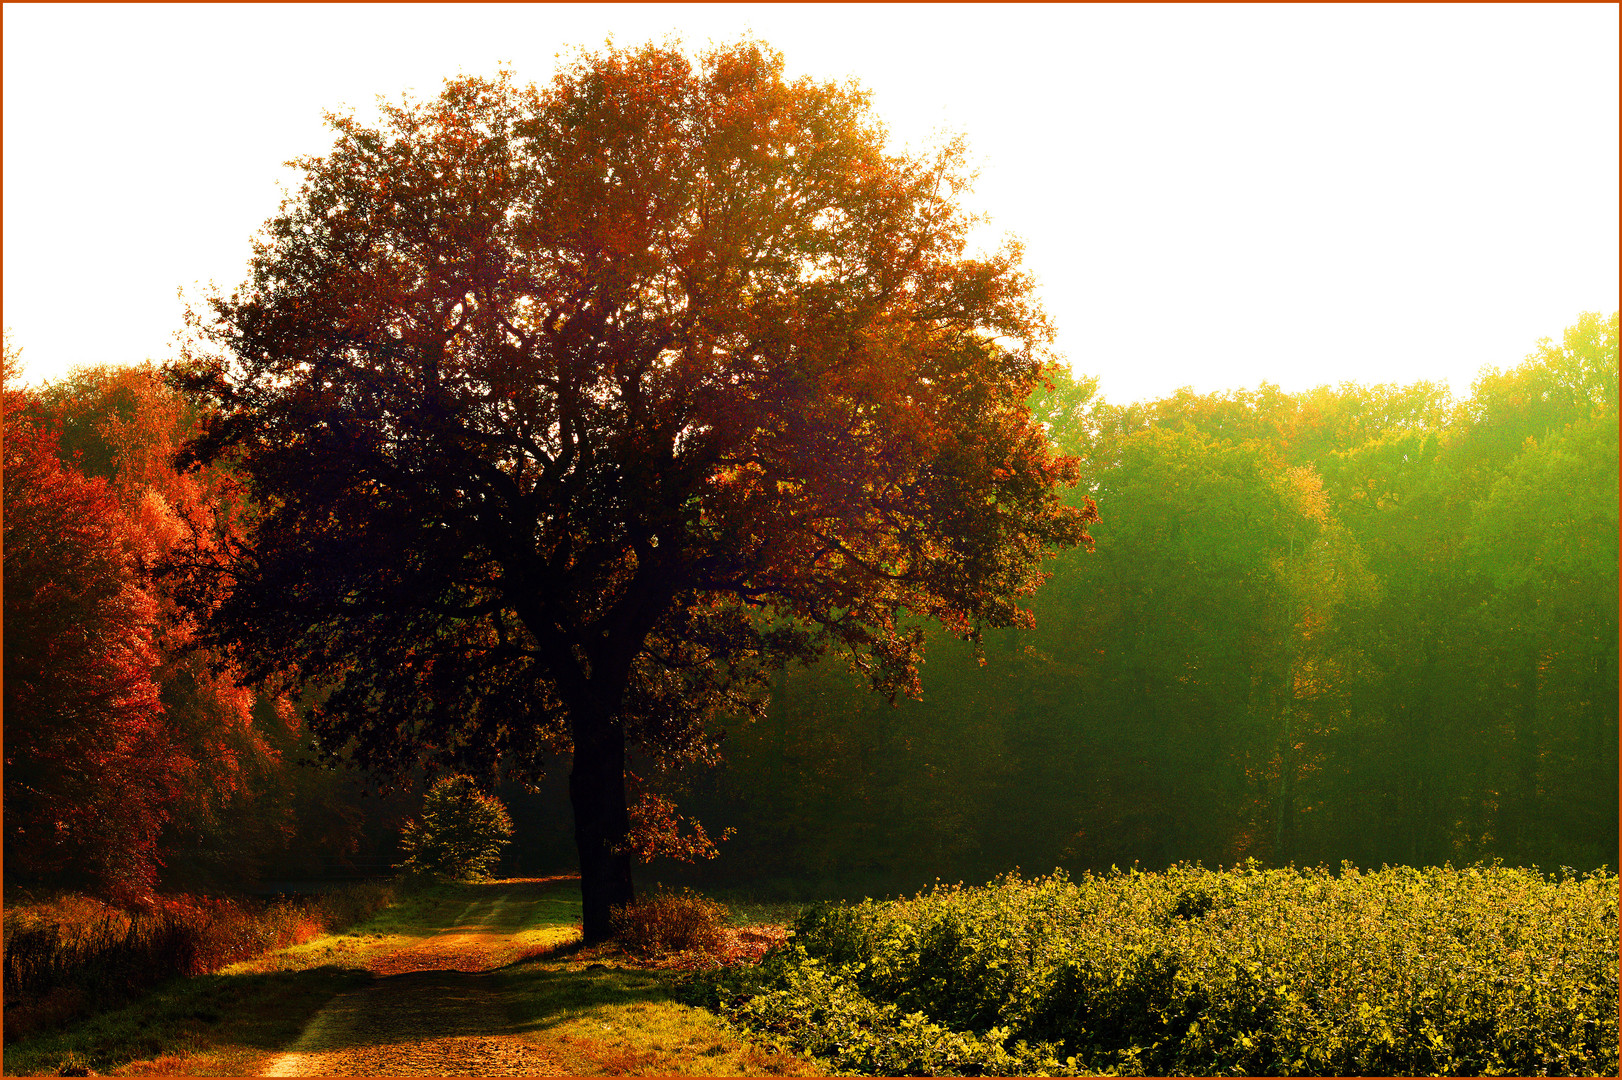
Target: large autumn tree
{"type": "Point", "coordinates": [572, 411]}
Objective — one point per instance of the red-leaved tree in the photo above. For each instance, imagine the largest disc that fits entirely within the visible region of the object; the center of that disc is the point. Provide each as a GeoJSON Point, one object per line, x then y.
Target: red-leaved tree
{"type": "Point", "coordinates": [91, 769]}
{"type": "Point", "coordinates": [123, 423]}
{"type": "Point", "coordinates": [123, 737]}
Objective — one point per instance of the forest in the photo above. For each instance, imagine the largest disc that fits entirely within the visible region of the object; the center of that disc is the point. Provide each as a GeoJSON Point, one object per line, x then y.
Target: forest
{"type": "Point", "coordinates": [1372, 624]}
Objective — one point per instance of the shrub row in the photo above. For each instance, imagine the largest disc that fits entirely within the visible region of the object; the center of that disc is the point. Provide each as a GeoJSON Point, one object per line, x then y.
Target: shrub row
{"type": "Point", "coordinates": [1477, 971]}
{"type": "Point", "coordinates": [104, 955]}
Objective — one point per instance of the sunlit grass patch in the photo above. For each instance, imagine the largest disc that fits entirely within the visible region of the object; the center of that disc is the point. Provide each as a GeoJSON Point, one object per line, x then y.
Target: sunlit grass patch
{"type": "Point", "coordinates": [542, 941]}
{"type": "Point", "coordinates": [602, 1017]}
{"type": "Point", "coordinates": [549, 921]}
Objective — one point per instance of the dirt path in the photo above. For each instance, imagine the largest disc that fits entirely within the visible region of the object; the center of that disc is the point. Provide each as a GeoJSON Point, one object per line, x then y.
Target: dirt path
{"type": "Point", "coordinates": [432, 1009]}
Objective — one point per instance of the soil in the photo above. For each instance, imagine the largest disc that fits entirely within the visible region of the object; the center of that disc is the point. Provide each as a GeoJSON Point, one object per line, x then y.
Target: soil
{"type": "Point", "coordinates": [432, 1009]}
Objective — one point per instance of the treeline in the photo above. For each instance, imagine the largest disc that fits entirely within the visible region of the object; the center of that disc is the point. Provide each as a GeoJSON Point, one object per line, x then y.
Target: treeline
{"type": "Point", "coordinates": [1366, 623]}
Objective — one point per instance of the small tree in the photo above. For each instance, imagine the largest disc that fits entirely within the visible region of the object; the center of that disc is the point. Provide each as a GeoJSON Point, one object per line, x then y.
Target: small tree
{"type": "Point", "coordinates": [460, 835]}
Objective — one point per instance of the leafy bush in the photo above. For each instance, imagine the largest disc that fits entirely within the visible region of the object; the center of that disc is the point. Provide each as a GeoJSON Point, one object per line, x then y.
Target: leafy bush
{"type": "Point", "coordinates": [668, 922]}
{"type": "Point", "coordinates": [63, 959]}
{"type": "Point", "coordinates": [460, 835]}
{"type": "Point", "coordinates": [1479, 971]}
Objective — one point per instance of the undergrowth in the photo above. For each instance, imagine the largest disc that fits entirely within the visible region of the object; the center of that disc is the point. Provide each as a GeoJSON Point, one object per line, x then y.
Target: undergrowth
{"type": "Point", "coordinates": [76, 955]}
{"type": "Point", "coordinates": [670, 922]}
{"type": "Point", "coordinates": [1487, 970]}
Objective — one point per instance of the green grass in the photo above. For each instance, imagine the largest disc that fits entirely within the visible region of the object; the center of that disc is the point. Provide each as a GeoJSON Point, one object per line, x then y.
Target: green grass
{"type": "Point", "coordinates": [597, 1015]}
{"type": "Point", "coordinates": [749, 911]}
{"type": "Point", "coordinates": [206, 1025]}
{"type": "Point", "coordinates": [552, 922]}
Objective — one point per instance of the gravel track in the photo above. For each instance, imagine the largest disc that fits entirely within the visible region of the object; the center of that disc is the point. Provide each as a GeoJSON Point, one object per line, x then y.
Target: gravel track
{"type": "Point", "coordinates": [431, 1009]}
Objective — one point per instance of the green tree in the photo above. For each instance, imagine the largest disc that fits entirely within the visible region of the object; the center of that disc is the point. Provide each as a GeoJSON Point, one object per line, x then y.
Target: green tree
{"type": "Point", "coordinates": [1364, 623]}
{"type": "Point", "coordinates": [460, 835]}
{"type": "Point", "coordinates": [574, 411]}
{"type": "Point", "coordinates": [1544, 542]}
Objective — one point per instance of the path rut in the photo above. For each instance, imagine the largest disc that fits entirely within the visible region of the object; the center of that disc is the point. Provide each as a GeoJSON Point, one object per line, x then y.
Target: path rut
{"type": "Point", "coordinates": [432, 1009]}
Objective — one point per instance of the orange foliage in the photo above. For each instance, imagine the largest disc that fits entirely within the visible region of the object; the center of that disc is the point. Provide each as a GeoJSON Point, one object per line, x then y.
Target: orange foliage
{"type": "Point", "coordinates": [118, 725]}
{"type": "Point", "coordinates": [656, 829]}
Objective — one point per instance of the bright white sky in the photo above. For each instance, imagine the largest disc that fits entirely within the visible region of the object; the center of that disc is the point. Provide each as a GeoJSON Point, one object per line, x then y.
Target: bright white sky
{"type": "Point", "coordinates": [1210, 196]}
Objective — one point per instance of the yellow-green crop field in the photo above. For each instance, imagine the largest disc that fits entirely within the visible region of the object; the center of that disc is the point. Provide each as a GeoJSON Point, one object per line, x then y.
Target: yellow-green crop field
{"type": "Point", "coordinates": [1487, 970]}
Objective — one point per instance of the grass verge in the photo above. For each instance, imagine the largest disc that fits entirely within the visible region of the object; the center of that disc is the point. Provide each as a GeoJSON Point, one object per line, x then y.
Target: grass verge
{"type": "Point", "coordinates": [208, 1025]}
{"type": "Point", "coordinates": [73, 956]}
{"type": "Point", "coordinates": [229, 1022]}
{"type": "Point", "coordinates": [605, 1017]}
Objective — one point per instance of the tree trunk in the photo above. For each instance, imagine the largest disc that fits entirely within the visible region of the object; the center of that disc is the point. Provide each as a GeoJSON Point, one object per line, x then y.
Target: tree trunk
{"type": "Point", "coordinates": [1284, 829]}
{"type": "Point", "coordinates": [601, 821]}
{"type": "Point", "coordinates": [1528, 818]}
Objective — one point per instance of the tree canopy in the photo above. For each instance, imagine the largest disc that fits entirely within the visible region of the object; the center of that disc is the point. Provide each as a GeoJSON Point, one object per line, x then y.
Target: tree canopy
{"type": "Point", "coordinates": [572, 411]}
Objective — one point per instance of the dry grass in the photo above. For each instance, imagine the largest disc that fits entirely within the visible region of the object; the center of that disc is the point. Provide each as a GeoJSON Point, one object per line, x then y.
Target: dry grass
{"type": "Point", "coordinates": [74, 955]}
